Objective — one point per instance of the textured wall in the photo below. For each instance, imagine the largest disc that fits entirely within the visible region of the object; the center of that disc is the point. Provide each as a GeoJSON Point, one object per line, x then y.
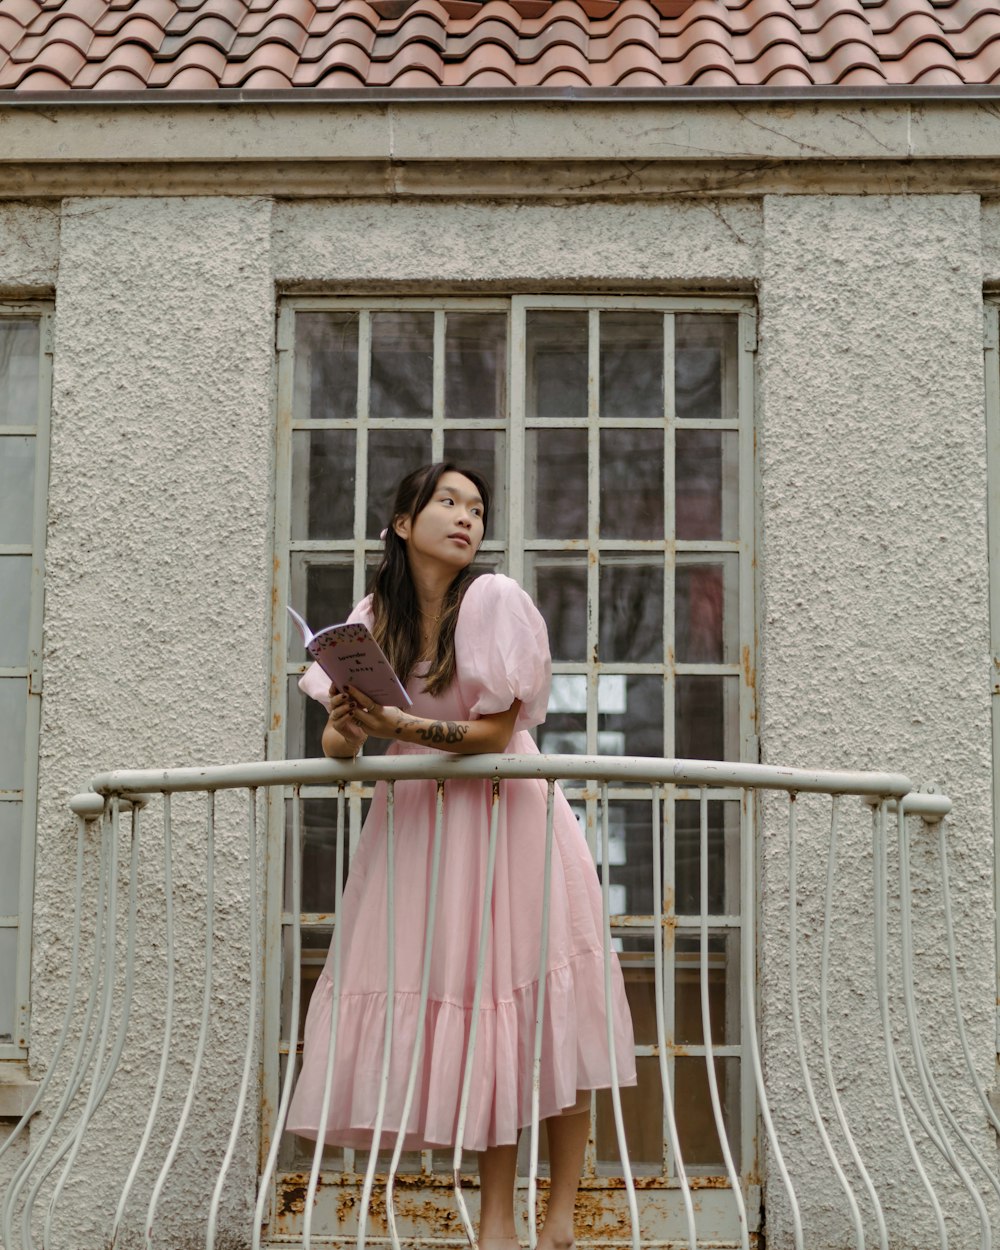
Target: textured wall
{"type": "Point", "coordinates": [157, 618]}
{"type": "Point", "coordinates": [874, 641]}
{"type": "Point", "coordinates": [29, 247]}
{"type": "Point", "coordinates": [398, 241]}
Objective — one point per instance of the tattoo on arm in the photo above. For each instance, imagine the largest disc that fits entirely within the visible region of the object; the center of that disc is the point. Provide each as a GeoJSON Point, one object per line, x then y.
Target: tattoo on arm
{"type": "Point", "coordinates": [443, 731]}
{"type": "Point", "coordinates": [448, 731]}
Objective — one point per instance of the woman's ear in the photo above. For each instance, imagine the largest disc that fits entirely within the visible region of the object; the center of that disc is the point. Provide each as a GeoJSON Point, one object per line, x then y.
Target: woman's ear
{"type": "Point", "coordinates": [401, 527]}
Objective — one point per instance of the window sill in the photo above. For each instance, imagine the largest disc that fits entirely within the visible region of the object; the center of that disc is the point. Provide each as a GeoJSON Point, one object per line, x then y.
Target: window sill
{"type": "Point", "coordinates": [16, 1091]}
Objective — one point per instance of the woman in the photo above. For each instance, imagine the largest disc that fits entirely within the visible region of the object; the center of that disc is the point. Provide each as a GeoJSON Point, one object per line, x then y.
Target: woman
{"type": "Point", "coordinates": [473, 653]}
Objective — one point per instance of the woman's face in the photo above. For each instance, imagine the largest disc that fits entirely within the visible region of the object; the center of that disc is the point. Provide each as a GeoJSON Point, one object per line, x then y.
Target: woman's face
{"type": "Point", "coordinates": [449, 529]}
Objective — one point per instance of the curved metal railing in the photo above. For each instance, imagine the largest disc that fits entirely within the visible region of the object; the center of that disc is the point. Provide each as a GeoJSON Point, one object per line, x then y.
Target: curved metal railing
{"type": "Point", "coordinates": [82, 1070]}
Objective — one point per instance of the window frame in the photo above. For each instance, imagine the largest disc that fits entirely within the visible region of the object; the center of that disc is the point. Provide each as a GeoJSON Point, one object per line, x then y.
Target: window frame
{"type": "Point", "coordinates": [42, 311]}
{"type": "Point", "coordinates": [516, 548]}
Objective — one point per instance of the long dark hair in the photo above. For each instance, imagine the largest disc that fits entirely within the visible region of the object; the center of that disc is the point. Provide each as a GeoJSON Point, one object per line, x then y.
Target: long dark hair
{"type": "Point", "coordinates": [395, 608]}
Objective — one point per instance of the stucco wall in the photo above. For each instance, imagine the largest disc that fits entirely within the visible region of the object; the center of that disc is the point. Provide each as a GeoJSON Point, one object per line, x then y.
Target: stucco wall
{"type": "Point", "coordinates": [874, 640]}
{"type": "Point", "coordinates": [872, 582]}
{"type": "Point", "coordinates": [399, 241]}
{"type": "Point", "coordinates": [156, 621]}
{"type": "Point", "coordinates": [29, 247]}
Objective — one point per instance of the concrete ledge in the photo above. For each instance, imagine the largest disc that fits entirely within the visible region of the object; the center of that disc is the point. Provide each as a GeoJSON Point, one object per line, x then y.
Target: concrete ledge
{"type": "Point", "coordinates": [16, 1091]}
{"type": "Point", "coordinates": [551, 181]}
{"type": "Point", "coordinates": [669, 129]}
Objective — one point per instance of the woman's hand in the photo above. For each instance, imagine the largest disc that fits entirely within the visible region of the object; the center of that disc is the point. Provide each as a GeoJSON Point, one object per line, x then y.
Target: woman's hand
{"type": "Point", "coordinates": [343, 736]}
{"type": "Point", "coordinates": [372, 717]}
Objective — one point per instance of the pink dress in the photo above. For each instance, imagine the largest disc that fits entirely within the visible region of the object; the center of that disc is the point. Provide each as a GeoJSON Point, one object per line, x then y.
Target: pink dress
{"type": "Point", "coordinates": [502, 654]}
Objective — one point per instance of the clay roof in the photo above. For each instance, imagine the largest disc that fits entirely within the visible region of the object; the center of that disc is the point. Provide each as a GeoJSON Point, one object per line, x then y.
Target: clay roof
{"type": "Point", "coordinates": [273, 44]}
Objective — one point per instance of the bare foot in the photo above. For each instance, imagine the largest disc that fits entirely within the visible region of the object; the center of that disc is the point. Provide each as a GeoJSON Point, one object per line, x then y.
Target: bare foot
{"type": "Point", "coordinates": [499, 1243]}
{"type": "Point", "coordinates": [550, 1240]}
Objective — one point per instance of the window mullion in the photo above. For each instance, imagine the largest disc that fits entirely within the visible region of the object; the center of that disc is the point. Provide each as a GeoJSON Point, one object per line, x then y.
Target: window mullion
{"type": "Point", "coordinates": [361, 452]}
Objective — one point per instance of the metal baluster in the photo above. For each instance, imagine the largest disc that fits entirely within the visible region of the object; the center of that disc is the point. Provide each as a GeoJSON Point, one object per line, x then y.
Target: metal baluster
{"type": "Point", "coordinates": [206, 1004]}
{"type": "Point", "coordinates": [984, 1101]}
{"type": "Point", "coordinates": [824, 1016]}
{"type": "Point", "coordinates": [536, 1065]}
{"type": "Point", "coordinates": [616, 1094]}
{"type": "Point", "coordinates": [880, 867]}
{"type": "Point", "coordinates": [661, 1027]}
{"type": "Point", "coordinates": [168, 894]}
{"type": "Point", "coordinates": [928, 1085]}
{"type": "Point", "coordinates": [706, 1028]}
{"type": "Point", "coordinates": [85, 1051]}
{"type": "Point", "coordinates": [748, 977]}
{"type": "Point", "coordinates": [331, 1045]}
{"type": "Point", "coordinates": [800, 1045]}
{"type": "Point", "coordinates": [103, 1077]}
{"type": "Point", "coordinates": [252, 965]}
{"type": "Point", "coordinates": [263, 1192]}
{"type": "Point", "coordinates": [390, 996]}
{"type": "Point", "coordinates": [484, 938]}
{"type": "Point", "coordinates": [418, 1045]}
{"type": "Point", "coordinates": [74, 971]}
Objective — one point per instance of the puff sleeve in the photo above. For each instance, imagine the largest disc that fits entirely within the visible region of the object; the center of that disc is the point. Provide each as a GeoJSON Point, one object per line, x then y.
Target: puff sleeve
{"type": "Point", "coordinates": [314, 682]}
{"type": "Point", "coordinates": [502, 651]}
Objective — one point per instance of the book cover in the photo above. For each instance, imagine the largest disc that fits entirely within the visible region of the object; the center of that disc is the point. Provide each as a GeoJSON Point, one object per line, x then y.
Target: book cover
{"type": "Point", "coordinates": [349, 655]}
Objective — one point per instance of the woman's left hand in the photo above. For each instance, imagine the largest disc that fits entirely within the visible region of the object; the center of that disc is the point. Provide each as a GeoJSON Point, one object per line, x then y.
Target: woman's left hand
{"type": "Point", "coordinates": [379, 721]}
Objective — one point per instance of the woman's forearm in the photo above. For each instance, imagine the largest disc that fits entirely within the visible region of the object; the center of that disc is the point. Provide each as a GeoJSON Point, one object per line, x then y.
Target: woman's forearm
{"type": "Point", "coordinates": [464, 737]}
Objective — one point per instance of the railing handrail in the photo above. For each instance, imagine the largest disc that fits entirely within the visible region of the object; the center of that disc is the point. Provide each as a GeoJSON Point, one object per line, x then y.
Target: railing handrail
{"type": "Point", "coordinates": [624, 768]}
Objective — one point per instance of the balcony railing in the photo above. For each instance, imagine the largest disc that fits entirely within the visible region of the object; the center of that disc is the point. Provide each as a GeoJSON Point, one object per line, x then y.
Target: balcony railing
{"type": "Point", "coordinates": [57, 1193]}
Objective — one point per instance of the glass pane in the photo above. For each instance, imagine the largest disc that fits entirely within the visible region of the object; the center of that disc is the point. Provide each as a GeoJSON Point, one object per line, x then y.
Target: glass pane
{"type": "Point", "coordinates": [319, 855]}
{"type": "Point", "coordinates": [723, 857]}
{"type": "Point", "coordinates": [323, 483]}
{"type": "Point", "coordinates": [707, 609]}
{"type": "Point", "coordinates": [642, 1111]}
{"type": "Point", "coordinates": [632, 365]}
{"type": "Point", "coordinates": [19, 347]}
{"type": "Point", "coordinates": [326, 366]}
{"type": "Point", "coordinates": [475, 372]}
{"type": "Point", "coordinates": [8, 983]}
{"type": "Point", "coordinates": [695, 1122]}
{"type": "Point", "coordinates": [10, 857]}
{"type": "Point", "coordinates": [15, 601]}
{"type": "Point", "coordinates": [705, 367]}
{"type": "Point", "coordinates": [632, 707]}
{"type": "Point", "coordinates": [707, 485]}
{"type": "Point", "coordinates": [322, 592]}
{"type": "Point", "coordinates": [631, 613]}
{"type": "Point", "coordinates": [486, 452]}
{"type": "Point", "coordinates": [630, 857]}
{"type": "Point", "coordinates": [13, 708]}
{"type": "Point", "coordinates": [565, 728]}
{"type": "Point", "coordinates": [560, 590]}
{"type": "Point", "coordinates": [391, 455]}
{"type": "Point", "coordinates": [631, 483]}
{"type": "Point", "coordinates": [556, 364]}
{"type": "Point", "coordinates": [316, 941]}
{"type": "Point", "coordinates": [556, 484]}
{"type": "Point", "coordinates": [402, 366]}
{"type": "Point", "coordinates": [723, 988]}
{"type": "Point", "coordinates": [305, 724]}
{"type": "Point", "coordinates": [17, 489]}
{"type": "Point", "coordinates": [635, 954]}
{"type": "Point", "coordinates": [707, 720]}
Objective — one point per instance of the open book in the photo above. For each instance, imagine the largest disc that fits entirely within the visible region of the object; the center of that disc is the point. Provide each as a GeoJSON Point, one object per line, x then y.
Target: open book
{"type": "Point", "coordinates": [349, 655]}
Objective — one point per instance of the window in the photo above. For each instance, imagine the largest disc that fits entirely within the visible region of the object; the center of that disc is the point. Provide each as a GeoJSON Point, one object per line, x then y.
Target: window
{"type": "Point", "coordinates": [24, 455]}
{"type": "Point", "coordinates": [618, 435]}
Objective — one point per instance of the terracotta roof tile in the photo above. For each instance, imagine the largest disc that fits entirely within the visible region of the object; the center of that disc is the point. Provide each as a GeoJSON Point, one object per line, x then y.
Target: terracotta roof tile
{"type": "Point", "coordinates": [199, 44]}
